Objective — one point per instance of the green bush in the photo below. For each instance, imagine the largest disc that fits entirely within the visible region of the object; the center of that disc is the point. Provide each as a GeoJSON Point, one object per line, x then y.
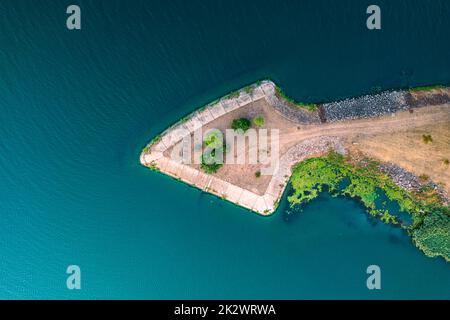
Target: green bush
{"type": "Point", "coordinates": [209, 165]}
{"type": "Point", "coordinates": [215, 146]}
{"type": "Point", "coordinates": [259, 121]}
{"type": "Point", "coordinates": [210, 168]}
{"type": "Point", "coordinates": [258, 174]}
{"type": "Point", "coordinates": [241, 124]}
{"type": "Point", "coordinates": [213, 139]}
{"type": "Point", "coordinates": [433, 236]}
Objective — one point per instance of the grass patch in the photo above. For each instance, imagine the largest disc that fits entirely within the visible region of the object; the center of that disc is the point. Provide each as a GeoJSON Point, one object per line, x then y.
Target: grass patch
{"type": "Point", "coordinates": [210, 168]}
{"type": "Point", "coordinates": [426, 88]}
{"type": "Point", "coordinates": [427, 138]}
{"type": "Point", "coordinates": [259, 121]}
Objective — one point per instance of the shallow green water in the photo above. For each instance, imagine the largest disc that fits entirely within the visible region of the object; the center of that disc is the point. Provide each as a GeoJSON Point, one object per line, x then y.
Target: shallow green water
{"type": "Point", "coordinates": [77, 107]}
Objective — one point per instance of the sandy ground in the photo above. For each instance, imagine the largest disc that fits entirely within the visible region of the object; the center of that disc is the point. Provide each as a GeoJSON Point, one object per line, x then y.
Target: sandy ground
{"type": "Point", "coordinates": [395, 138]}
{"type": "Point", "coordinates": [407, 150]}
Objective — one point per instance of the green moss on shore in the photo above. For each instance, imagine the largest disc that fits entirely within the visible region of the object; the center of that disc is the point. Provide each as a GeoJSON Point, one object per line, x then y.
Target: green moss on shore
{"type": "Point", "coordinates": [426, 88]}
{"type": "Point", "coordinates": [308, 106]}
{"type": "Point", "coordinates": [430, 228]}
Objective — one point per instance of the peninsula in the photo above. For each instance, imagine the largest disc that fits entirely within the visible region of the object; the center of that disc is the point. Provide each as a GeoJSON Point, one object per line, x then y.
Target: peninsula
{"type": "Point", "coordinates": [393, 145]}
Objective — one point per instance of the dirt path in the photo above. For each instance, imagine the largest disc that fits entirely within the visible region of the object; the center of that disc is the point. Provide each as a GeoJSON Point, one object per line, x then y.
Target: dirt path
{"type": "Point", "coordinates": [402, 121]}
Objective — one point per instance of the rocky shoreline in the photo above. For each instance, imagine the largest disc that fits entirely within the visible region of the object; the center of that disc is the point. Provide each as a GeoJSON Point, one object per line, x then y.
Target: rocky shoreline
{"type": "Point", "coordinates": [410, 181]}
{"type": "Point", "coordinates": [294, 113]}
{"type": "Point", "coordinates": [367, 106]}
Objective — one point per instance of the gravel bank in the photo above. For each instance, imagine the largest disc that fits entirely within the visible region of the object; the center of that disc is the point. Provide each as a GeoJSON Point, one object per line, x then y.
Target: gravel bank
{"type": "Point", "coordinates": [427, 100]}
{"type": "Point", "coordinates": [296, 114]}
{"type": "Point", "coordinates": [365, 107]}
{"type": "Point", "coordinates": [410, 181]}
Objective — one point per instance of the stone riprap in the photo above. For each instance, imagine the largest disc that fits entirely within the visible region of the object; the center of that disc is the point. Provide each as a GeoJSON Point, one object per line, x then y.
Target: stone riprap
{"type": "Point", "coordinates": [410, 181]}
{"type": "Point", "coordinates": [365, 107]}
{"type": "Point", "coordinates": [299, 152]}
{"type": "Point", "coordinates": [290, 111]}
{"type": "Point", "coordinates": [433, 97]}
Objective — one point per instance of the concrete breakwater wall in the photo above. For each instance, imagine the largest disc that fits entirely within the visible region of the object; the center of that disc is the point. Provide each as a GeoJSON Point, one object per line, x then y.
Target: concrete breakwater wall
{"type": "Point", "coordinates": [153, 155]}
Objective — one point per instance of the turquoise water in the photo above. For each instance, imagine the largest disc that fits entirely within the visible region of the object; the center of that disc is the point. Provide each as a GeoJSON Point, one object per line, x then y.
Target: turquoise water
{"type": "Point", "coordinates": [77, 107]}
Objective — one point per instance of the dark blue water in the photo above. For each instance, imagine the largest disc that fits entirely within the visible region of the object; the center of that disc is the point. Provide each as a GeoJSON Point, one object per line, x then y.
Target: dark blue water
{"type": "Point", "coordinates": [76, 107]}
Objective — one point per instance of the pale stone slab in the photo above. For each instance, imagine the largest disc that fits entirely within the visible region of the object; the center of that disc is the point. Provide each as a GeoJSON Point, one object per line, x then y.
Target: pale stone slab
{"type": "Point", "coordinates": [270, 201]}
{"type": "Point", "coordinates": [174, 168]}
{"type": "Point", "coordinates": [276, 187]}
{"type": "Point", "coordinates": [193, 124]}
{"type": "Point", "coordinates": [271, 188]}
{"type": "Point", "coordinates": [217, 110]}
{"type": "Point", "coordinates": [180, 131]}
{"type": "Point", "coordinates": [170, 168]}
{"type": "Point", "coordinates": [268, 87]}
{"type": "Point", "coordinates": [260, 206]}
{"type": "Point", "coordinates": [204, 116]}
{"type": "Point", "coordinates": [161, 163]}
{"type": "Point", "coordinates": [189, 174]}
{"type": "Point", "coordinates": [230, 105]}
{"type": "Point", "coordinates": [202, 180]}
{"type": "Point", "coordinates": [150, 157]}
{"type": "Point", "coordinates": [257, 93]}
{"type": "Point", "coordinates": [218, 186]}
{"type": "Point", "coordinates": [248, 199]}
{"type": "Point", "coordinates": [244, 99]}
{"type": "Point", "coordinates": [234, 193]}
{"type": "Point", "coordinates": [166, 138]}
{"type": "Point", "coordinates": [159, 147]}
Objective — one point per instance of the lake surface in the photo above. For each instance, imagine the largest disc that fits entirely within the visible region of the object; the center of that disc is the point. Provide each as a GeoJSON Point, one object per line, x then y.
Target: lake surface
{"type": "Point", "coordinates": [76, 108]}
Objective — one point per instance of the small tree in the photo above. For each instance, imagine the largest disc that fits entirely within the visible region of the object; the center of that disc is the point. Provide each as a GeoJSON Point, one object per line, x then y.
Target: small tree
{"type": "Point", "coordinates": [209, 162]}
{"type": "Point", "coordinates": [259, 121]}
{"type": "Point", "coordinates": [241, 124]}
{"type": "Point", "coordinates": [211, 167]}
{"type": "Point", "coordinates": [213, 139]}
